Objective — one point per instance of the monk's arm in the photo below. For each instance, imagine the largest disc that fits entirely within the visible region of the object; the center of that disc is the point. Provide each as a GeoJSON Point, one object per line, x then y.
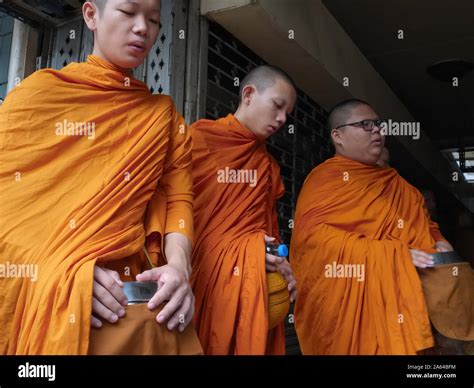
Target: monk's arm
{"type": "Point", "coordinates": [275, 226]}
{"type": "Point", "coordinates": [178, 249]}
{"type": "Point", "coordinates": [441, 245]}
{"type": "Point", "coordinates": [273, 261]}
{"type": "Point", "coordinates": [283, 266]}
{"type": "Point", "coordinates": [177, 185]}
{"type": "Point", "coordinates": [332, 238]}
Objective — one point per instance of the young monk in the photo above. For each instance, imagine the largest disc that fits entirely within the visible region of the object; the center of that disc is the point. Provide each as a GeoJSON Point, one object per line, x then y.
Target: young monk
{"type": "Point", "coordinates": [96, 175]}
{"type": "Point", "coordinates": [236, 185]}
{"type": "Point", "coordinates": [361, 232]}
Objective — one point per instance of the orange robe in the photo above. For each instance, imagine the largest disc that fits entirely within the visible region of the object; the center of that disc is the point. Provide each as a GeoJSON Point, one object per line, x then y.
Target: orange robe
{"type": "Point", "coordinates": [231, 219]}
{"type": "Point", "coordinates": [352, 214]}
{"type": "Point", "coordinates": [70, 201]}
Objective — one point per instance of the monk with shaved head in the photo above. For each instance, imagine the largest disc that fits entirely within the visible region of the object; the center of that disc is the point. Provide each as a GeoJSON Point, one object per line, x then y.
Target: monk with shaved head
{"type": "Point", "coordinates": [241, 291]}
{"type": "Point", "coordinates": [361, 242]}
{"type": "Point", "coordinates": [97, 193]}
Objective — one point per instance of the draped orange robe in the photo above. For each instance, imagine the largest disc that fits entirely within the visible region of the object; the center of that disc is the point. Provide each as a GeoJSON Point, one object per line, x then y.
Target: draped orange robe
{"type": "Point", "coordinates": [353, 214]}
{"type": "Point", "coordinates": [71, 201]}
{"type": "Point", "coordinates": [230, 219]}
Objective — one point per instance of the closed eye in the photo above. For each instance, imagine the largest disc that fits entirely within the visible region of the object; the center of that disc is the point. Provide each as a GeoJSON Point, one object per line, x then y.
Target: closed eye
{"type": "Point", "coordinates": [126, 13]}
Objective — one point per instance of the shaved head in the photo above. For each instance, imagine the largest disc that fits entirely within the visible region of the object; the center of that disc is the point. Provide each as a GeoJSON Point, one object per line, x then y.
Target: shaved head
{"type": "Point", "coordinates": [267, 97]}
{"type": "Point", "coordinates": [352, 140]}
{"type": "Point", "coordinates": [263, 77]}
{"type": "Point", "coordinates": [341, 112]}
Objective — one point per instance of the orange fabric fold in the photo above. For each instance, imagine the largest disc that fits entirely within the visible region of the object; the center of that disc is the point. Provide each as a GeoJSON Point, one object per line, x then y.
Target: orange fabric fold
{"type": "Point", "coordinates": [449, 293]}
{"type": "Point", "coordinates": [365, 218]}
{"type": "Point", "coordinates": [71, 200]}
{"type": "Point", "coordinates": [137, 333]}
{"type": "Point", "coordinates": [231, 216]}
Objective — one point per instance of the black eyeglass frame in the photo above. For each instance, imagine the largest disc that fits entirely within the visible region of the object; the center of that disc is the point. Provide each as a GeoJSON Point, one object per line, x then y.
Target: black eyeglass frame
{"type": "Point", "coordinates": [360, 124]}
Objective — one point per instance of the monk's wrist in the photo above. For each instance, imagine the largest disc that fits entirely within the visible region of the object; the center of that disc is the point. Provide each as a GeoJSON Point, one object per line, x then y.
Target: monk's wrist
{"type": "Point", "coordinates": [180, 262]}
{"type": "Point", "coordinates": [178, 250]}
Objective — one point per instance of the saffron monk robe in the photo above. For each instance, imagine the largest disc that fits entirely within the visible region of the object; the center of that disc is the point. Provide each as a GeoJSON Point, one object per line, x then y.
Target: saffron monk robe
{"type": "Point", "coordinates": [441, 282]}
{"type": "Point", "coordinates": [241, 298]}
{"type": "Point", "coordinates": [95, 174]}
{"type": "Point", "coordinates": [362, 219]}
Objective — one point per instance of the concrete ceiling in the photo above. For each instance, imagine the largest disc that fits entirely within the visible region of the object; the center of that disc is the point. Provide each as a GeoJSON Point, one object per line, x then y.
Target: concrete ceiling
{"type": "Point", "coordinates": [433, 31]}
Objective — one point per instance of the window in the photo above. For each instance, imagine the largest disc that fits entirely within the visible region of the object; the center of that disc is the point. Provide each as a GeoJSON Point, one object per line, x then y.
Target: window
{"type": "Point", "coordinates": [453, 156]}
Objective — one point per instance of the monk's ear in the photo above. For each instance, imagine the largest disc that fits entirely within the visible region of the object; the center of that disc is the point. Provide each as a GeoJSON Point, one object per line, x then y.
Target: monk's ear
{"type": "Point", "coordinates": [90, 14]}
{"type": "Point", "coordinates": [336, 136]}
{"type": "Point", "coordinates": [247, 94]}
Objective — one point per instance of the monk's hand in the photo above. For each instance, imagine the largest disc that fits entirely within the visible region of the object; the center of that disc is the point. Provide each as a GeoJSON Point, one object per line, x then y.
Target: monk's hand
{"type": "Point", "coordinates": [271, 261]}
{"type": "Point", "coordinates": [108, 298]}
{"type": "Point", "coordinates": [173, 287]}
{"type": "Point", "coordinates": [287, 272]}
{"type": "Point", "coordinates": [421, 259]}
{"type": "Point", "coordinates": [443, 246]}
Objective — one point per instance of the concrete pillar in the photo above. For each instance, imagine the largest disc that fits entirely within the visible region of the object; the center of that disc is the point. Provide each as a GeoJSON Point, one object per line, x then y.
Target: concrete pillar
{"type": "Point", "coordinates": [23, 53]}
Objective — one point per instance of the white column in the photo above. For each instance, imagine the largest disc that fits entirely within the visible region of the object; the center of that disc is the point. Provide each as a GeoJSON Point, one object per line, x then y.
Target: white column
{"type": "Point", "coordinates": [16, 69]}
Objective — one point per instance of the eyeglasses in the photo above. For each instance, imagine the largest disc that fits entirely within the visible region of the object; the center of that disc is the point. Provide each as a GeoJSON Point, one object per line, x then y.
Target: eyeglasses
{"type": "Point", "coordinates": [367, 125]}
